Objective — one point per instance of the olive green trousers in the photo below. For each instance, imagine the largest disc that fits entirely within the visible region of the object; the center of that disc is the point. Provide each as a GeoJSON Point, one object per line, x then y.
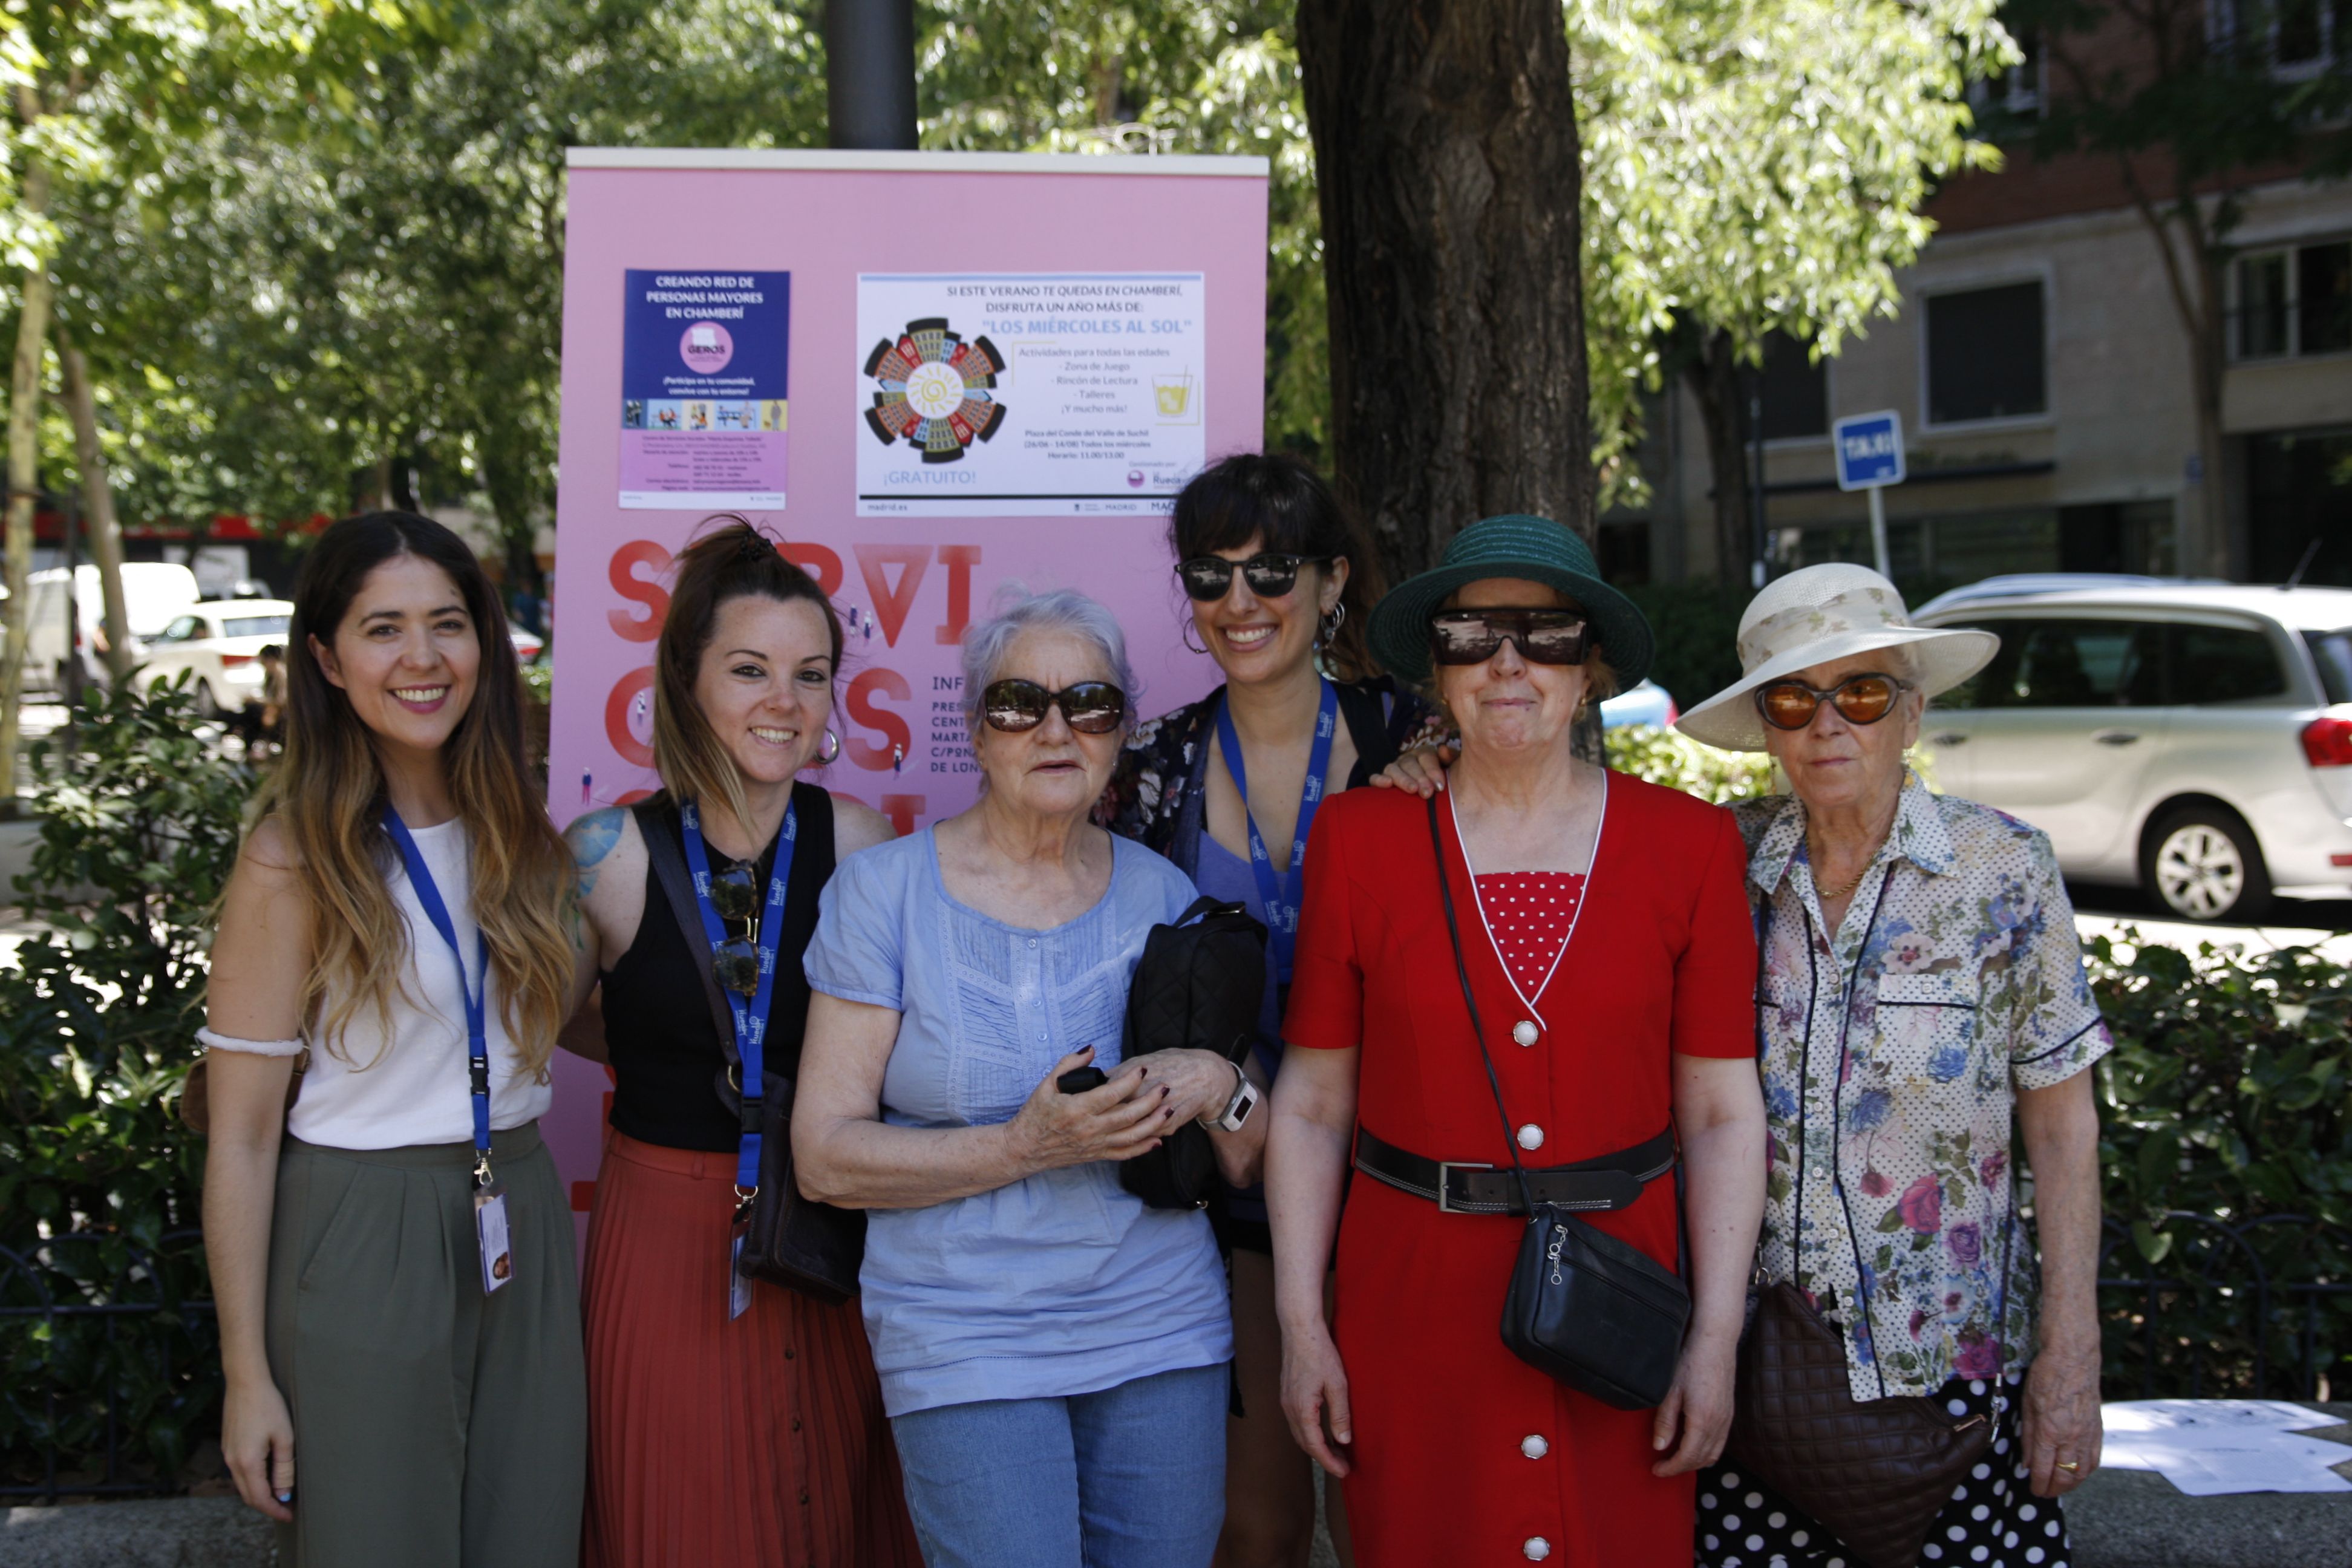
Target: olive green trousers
{"type": "Point", "coordinates": [433, 1426]}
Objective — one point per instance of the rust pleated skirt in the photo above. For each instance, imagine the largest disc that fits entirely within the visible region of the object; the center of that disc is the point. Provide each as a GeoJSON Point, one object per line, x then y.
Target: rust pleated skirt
{"type": "Point", "coordinates": [714, 1444]}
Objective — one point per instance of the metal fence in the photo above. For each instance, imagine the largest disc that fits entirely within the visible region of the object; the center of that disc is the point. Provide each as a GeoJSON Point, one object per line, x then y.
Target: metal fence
{"type": "Point", "coordinates": [2259, 1307]}
{"type": "Point", "coordinates": [111, 1354]}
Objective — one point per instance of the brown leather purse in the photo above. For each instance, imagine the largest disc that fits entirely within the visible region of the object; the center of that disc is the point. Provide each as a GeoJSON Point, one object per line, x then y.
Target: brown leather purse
{"type": "Point", "coordinates": [1875, 1473]}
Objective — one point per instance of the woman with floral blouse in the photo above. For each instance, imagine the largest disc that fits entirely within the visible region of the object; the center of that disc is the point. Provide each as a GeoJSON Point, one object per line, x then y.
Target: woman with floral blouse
{"type": "Point", "coordinates": [1922, 993]}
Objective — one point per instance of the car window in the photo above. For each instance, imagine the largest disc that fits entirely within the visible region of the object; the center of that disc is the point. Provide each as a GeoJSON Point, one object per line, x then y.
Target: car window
{"type": "Point", "coordinates": [254, 626]}
{"type": "Point", "coordinates": [1972, 693]}
{"type": "Point", "coordinates": [2075, 664]}
{"type": "Point", "coordinates": [185, 629]}
{"type": "Point", "coordinates": [2332, 651]}
{"type": "Point", "coordinates": [2223, 664]}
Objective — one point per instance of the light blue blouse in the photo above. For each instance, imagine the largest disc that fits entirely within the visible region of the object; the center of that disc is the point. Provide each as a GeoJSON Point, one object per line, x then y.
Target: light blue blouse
{"type": "Point", "coordinates": [1063, 1282]}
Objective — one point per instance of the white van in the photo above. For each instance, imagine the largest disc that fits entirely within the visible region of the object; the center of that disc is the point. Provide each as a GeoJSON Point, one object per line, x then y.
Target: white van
{"type": "Point", "coordinates": [154, 593]}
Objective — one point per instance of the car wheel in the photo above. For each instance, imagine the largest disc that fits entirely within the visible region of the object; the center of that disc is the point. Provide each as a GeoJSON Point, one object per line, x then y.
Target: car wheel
{"type": "Point", "coordinates": [2202, 864]}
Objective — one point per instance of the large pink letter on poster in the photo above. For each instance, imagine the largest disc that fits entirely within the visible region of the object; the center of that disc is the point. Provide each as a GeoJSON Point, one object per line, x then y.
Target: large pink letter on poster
{"type": "Point", "coordinates": [976, 369]}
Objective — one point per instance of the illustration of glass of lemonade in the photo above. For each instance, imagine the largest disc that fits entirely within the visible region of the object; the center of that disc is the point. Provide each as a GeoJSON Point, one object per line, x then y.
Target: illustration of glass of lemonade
{"type": "Point", "coordinates": [1174, 394]}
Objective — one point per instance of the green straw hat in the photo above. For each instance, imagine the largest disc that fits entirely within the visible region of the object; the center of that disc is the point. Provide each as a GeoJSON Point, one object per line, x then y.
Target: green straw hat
{"type": "Point", "coordinates": [1534, 548]}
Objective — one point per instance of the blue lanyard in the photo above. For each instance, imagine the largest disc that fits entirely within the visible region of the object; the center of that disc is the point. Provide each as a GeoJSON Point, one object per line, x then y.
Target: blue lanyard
{"type": "Point", "coordinates": [478, 1047]}
{"type": "Point", "coordinates": [751, 1018]}
{"type": "Point", "coordinates": [1281, 894]}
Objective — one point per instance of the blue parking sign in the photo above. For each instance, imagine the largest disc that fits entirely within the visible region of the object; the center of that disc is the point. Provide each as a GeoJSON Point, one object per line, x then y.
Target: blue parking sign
{"type": "Point", "coordinates": [1869, 450]}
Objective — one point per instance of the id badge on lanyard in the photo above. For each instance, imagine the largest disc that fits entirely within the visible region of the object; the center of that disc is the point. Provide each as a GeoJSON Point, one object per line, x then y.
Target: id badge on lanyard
{"type": "Point", "coordinates": [491, 1237]}
{"type": "Point", "coordinates": [749, 1016]}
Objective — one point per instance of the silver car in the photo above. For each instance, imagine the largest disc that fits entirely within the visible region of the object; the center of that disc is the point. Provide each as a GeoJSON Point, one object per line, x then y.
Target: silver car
{"type": "Point", "coordinates": [2193, 739]}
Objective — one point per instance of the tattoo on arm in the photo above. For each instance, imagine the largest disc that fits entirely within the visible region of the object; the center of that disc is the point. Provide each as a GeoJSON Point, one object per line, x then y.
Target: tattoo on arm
{"type": "Point", "coordinates": [591, 838]}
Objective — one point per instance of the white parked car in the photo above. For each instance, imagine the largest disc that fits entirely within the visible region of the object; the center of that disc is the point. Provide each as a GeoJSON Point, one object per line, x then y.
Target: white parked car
{"type": "Point", "coordinates": [2192, 739]}
{"type": "Point", "coordinates": [1647, 703]}
{"type": "Point", "coordinates": [221, 640]}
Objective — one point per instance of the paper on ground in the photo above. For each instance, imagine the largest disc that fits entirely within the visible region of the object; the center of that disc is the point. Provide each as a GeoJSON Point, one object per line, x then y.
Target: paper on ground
{"type": "Point", "coordinates": [2208, 1447]}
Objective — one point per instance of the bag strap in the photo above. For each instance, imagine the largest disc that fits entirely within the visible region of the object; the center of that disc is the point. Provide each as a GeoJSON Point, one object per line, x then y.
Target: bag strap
{"type": "Point", "coordinates": [663, 849]}
{"type": "Point", "coordinates": [1477, 1029]}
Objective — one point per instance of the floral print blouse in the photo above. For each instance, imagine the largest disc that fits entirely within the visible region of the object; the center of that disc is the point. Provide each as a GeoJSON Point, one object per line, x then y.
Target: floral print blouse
{"type": "Point", "coordinates": [1891, 1051]}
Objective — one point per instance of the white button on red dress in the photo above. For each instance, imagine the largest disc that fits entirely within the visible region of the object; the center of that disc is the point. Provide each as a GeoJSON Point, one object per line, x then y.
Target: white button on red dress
{"type": "Point", "coordinates": [1534, 1446]}
{"type": "Point", "coordinates": [1530, 1137]}
{"type": "Point", "coordinates": [1525, 1032]}
{"type": "Point", "coordinates": [1536, 1549]}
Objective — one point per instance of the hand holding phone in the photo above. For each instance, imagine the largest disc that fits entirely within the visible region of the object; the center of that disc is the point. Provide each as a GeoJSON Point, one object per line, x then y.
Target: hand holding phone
{"type": "Point", "coordinates": [1078, 1080]}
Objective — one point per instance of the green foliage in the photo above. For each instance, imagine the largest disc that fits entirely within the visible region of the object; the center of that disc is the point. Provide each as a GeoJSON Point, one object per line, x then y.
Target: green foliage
{"type": "Point", "coordinates": [1758, 165]}
{"type": "Point", "coordinates": [2229, 1093]}
{"type": "Point", "coordinates": [98, 1018]}
{"type": "Point", "coordinates": [1671, 758]}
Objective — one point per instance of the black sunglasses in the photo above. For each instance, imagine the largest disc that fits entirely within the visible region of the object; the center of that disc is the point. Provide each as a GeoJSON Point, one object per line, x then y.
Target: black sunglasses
{"type": "Point", "coordinates": [1270, 575]}
{"type": "Point", "coordinates": [1859, 698]}
{"type": "Point", "coordinates": [1542, 637]}
{"type": "Point", "coordinates": [1089, 707]}
{"type": "Point", "coordinates": [735, 962]}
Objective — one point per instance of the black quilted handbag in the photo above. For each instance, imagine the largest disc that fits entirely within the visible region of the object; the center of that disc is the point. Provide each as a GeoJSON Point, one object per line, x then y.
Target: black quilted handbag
{"type": "Point", "coordinates": [1197, 985]}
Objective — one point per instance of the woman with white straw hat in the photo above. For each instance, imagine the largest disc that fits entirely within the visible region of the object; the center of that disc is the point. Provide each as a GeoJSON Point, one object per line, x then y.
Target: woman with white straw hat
{"type": "Point", "coordinates": [1922, 991]}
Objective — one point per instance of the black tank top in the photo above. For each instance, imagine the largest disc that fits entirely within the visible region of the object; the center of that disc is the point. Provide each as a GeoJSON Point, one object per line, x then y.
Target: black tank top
{"type": "Point", "coordinates": [664, 1043]}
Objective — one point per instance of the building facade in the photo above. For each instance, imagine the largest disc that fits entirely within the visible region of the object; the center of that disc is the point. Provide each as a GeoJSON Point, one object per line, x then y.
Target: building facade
{"type": "Point", "coordinates": [2043, 375]}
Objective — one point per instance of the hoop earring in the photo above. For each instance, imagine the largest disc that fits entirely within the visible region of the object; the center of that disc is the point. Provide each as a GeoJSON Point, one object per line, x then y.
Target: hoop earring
{"type": "Point", "coordinates": [1328, 628]}
{"type": "Point", "coordinates": [830, 750]}
{"type": "Point", "coordinates": [1184, 635]}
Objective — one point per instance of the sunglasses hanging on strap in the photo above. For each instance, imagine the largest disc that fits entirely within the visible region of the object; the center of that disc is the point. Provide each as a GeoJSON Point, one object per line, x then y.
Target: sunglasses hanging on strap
{"type": "Point", "coordinates": [779, 1235]}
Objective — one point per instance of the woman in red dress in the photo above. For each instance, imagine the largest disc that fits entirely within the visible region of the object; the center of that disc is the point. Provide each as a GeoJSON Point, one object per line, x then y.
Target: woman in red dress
{"type": "Point", "coordinates": [1607, 936]}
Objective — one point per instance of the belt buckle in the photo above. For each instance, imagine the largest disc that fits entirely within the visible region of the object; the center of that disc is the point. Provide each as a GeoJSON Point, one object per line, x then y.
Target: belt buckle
{"type": "Point", "coordinates": [1445, 1170]}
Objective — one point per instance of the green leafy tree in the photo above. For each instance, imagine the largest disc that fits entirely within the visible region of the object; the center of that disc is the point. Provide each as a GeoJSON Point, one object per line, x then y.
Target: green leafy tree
{"type": "Point", "coordinates": [1753, 166]}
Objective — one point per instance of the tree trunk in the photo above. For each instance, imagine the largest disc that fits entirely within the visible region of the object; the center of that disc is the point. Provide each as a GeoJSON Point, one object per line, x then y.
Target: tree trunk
{"type": "Point", "coordinates": [1447, 174]}
{"type": "Point", "coordinates": [23, 475]}
{"type": "Point", "coordinates": [98, 524]}
{"type": "Point", "coordinates": [1714, 380]}
{"type": "Point", "coordinates": [2209, 356]}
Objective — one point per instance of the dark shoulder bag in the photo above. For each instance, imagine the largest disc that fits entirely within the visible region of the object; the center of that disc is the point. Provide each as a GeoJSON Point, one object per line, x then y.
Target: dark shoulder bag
{"type": "Point", "coordinates": [1875, 1473]}
{"type": "Point", "coordinates": [792, 1241]}
{"type": "Point", "coordinates": [1197, 986]}
{"type": "Point", "coordinates": [1594, 1312]}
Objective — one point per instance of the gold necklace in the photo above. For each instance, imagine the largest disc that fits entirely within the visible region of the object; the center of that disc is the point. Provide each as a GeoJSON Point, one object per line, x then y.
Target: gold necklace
{"type": "Point", "coordinates": [1831, 894]}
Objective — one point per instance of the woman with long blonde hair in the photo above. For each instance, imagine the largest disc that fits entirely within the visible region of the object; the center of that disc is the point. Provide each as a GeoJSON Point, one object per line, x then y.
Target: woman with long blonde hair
{"type": "Point", "coordinates": [391, 1249]}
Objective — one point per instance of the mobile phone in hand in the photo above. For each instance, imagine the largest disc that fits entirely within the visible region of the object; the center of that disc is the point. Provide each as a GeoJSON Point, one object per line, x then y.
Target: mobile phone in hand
{"type": "Point", "coordinates": [1078, 1080]}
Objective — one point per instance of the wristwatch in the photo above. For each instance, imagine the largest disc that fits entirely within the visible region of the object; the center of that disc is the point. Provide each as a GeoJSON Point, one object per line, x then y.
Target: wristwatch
{"type": "Point", "coordinates": [1237, 1109]}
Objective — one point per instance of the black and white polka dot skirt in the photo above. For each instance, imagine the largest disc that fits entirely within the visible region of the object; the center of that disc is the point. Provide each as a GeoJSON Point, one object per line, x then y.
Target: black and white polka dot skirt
{"type": "Point", "coordinates": [1993, 1520]}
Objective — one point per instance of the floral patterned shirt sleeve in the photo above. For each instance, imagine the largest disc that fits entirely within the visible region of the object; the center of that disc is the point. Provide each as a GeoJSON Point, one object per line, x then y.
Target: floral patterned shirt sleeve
{"type": "Point", "coordinates": [1893, 1052]}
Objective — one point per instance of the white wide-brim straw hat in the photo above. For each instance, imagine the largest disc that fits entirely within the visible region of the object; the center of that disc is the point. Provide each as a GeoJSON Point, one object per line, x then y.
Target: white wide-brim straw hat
{"type": "Point", "coordinates": [1815, 615]}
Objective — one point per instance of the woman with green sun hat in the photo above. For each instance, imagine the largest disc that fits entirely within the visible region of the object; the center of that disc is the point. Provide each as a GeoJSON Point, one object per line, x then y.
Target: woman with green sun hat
{"type": "Point", "coordinates": [1440, 931]}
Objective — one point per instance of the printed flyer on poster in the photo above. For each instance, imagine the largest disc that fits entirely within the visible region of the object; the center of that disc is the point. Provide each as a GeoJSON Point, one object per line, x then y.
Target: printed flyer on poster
{"type": "Point", "coordinates": [1029, 394]}
{"type": "Point", "coordinates": [703, 357]}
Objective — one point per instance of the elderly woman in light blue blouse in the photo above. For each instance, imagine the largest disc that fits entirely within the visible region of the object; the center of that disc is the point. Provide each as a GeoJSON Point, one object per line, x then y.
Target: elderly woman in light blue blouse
{"type": "Point", "coordinates": [1922, 994]}
{"type": "Point", "coordinates": [1053, 1353]}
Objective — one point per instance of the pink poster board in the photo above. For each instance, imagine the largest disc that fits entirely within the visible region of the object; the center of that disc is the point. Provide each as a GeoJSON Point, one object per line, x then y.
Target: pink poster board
{"type": "Point", "coordinates": [999, 367]}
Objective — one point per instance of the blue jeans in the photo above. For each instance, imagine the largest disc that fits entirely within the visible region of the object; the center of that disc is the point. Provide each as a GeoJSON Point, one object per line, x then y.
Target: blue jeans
{"type": "Point", "coordinates": [1132, 1477]}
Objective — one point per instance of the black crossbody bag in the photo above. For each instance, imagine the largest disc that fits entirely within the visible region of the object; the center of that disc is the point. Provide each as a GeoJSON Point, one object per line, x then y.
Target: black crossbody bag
{"type": "Point", "coordinates": [1584, 1308]}
{"type": "Point", "coordinates": [793, 1241]}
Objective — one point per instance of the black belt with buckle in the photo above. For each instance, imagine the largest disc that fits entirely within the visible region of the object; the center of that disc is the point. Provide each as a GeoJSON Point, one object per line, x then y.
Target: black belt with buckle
{"type": "Point", "coordinates": [1610, 1182]}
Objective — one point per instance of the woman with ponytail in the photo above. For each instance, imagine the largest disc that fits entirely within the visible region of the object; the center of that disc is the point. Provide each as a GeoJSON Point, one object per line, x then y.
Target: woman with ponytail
{"type": "Point", "coordinates": [733, 1422]}
{"type": "Point", "coordinates": [391, 1249]}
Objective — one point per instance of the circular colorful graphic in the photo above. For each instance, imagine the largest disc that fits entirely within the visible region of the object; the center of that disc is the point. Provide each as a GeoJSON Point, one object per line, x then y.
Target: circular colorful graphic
{"type": "Point", "coordinates": [936, 390]}
{"type": "Point", "coordinates": [706, 347]}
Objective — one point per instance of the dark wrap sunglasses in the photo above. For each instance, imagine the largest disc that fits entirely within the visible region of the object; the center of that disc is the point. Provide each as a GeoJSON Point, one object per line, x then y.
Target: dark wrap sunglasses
{"type": "Point", "coordinates": [1089, 707]}
{"type": "Point", "coordinates": [1863, 698]}
{"type": "Point", "coordinates": [735, 962]}
{"type": "Point", "coordinates": [1269, 575]}
{"type": "Point", "coordinates": [1542, 637]}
